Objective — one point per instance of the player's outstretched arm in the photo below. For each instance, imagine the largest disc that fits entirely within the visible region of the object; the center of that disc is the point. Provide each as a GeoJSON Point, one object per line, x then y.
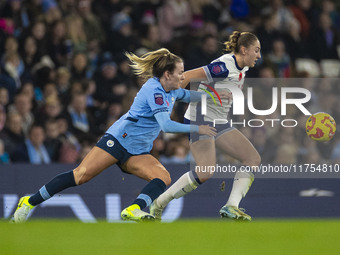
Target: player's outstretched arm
{"type": "Point", "coordinates": [169, 126]}
{"type": "Point", "coordinates": [197, 74]}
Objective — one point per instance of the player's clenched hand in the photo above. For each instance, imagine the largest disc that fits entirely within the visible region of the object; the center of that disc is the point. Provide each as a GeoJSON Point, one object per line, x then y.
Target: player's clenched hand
{"type": "Point", "coordinates": [206, 130]}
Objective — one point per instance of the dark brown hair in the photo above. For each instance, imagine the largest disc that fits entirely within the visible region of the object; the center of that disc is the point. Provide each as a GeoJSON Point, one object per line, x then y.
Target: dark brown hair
{"type": "Point", "coordinates": [238, 39]}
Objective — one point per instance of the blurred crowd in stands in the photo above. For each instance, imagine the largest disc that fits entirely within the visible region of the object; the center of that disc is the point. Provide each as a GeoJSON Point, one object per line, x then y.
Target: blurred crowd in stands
{"type": "Point", "coordinates": [64, 78]}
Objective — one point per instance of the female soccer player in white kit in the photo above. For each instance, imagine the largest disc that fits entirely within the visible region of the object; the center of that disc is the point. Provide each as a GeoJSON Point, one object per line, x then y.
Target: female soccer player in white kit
{"type": "Point", "coordinates": [227, 70]}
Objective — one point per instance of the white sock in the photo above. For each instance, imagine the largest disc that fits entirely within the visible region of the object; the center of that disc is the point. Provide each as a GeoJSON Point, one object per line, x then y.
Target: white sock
{"type": "Point", "coordinates": [241, 185]}
{"type": "Point", "coordinates": [184, 185]}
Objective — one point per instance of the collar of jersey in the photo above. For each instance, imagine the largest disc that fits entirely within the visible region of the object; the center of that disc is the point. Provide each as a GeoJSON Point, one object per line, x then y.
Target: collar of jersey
{"type": "Point", "coordinates": [157, 79]}
{"type": "Point", "coordinates": [238, 67]}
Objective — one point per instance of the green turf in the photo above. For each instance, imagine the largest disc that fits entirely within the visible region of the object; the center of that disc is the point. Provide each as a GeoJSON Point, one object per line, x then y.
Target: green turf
{"type": "Point", "coordinates": [182, 237]}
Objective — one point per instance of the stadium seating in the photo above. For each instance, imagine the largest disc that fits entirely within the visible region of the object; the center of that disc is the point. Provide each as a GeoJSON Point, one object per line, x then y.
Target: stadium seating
{"type": "Point", "coordinates": [330, 68]}
{"type": "Point", "coordinates": [307, 65]}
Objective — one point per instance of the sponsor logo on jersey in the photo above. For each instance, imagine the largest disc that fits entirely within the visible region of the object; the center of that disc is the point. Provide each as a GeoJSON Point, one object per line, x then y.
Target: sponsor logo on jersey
{"type": "Point", "coordinates": [218, 68]}
{"type": "Point", "coordinates": [159, 98]}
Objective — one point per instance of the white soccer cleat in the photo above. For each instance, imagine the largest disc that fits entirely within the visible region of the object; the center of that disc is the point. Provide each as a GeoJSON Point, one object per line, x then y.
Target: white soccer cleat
{"type": "Point", "coordinates": [156, 211]}
{"type": "Point", "coordinates": [23, 209]}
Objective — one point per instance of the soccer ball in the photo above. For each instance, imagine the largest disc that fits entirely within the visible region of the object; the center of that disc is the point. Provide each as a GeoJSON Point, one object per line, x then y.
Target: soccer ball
{"type": "Point", "coordinates": [320, 127]}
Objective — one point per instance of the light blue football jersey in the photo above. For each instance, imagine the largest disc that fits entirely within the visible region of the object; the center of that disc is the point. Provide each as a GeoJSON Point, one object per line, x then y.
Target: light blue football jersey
{"type": "Point", "coordinates": [138, 128]}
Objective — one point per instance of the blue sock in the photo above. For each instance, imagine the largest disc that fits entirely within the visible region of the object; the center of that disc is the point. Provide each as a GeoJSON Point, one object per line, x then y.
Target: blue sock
{"type": "Point", "coordinates": [150, 192]}
{"type": "Point", "coordinates": [57, 184]}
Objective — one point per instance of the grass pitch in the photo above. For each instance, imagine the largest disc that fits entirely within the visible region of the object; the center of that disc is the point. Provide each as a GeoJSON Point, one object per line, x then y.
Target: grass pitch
{"type": "Point", "coordinates": [181, 237]}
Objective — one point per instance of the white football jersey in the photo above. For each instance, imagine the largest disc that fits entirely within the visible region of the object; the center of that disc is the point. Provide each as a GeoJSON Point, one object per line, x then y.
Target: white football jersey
{"type": "Point", "coordinates": [221, 72]}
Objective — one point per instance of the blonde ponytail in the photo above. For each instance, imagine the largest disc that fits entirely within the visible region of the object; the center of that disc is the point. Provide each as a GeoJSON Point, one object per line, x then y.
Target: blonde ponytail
{"type": "Point", "coordinates": [153, 63]}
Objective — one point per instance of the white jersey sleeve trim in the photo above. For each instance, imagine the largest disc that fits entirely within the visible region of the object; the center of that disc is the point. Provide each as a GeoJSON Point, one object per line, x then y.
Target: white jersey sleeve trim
{"type": "Point", "coordinates": [207, 73]}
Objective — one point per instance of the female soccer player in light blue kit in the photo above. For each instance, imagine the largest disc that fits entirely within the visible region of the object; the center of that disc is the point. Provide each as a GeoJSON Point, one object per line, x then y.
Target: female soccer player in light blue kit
{"type": "Point", "coordinates": [226, 71]}
{"type": "Point", "coordinates": [129, 140]}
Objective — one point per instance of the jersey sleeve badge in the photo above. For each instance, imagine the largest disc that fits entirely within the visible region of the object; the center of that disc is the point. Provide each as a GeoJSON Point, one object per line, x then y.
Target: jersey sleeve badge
{"type": "Point", "coordinates": [218, 70]}
{"type": "Point", "coordinates": [159, 98]}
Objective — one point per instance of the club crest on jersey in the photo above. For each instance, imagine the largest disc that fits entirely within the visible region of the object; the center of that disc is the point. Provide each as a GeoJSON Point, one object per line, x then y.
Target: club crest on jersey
{"type": "Point", "coordinates": [110, 143]}
{"type": "Point", "coordinates": [240, 77]}
{"type": "Point", "coordinates": [159, 98]}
